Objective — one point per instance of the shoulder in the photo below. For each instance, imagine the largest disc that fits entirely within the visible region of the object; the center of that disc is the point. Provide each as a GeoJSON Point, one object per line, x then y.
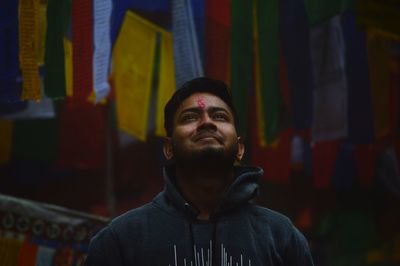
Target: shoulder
{"type": "Point", "coordinates": [131, 221]}
{"type": "Point", "coordinates": [133, 215]}
{"type": "Point", "coordinates": [107, 247]}
{"type": "Point", "coordinates": [270, 217]}
{"type": "Point", "coordinates": [283, 234]}
{"type": "Point", "coordinates": [274, 224]}
{"type": "Point", "coordinates": [126, 223]}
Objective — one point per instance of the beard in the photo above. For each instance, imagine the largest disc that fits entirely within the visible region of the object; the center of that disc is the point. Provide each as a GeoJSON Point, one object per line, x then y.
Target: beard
{"type": "Point", "coordinates": [208, 158]}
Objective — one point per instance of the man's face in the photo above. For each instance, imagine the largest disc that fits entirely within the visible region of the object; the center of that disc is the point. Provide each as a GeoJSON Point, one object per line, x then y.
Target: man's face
{"type": "Point", "coordinates": [204, 130]}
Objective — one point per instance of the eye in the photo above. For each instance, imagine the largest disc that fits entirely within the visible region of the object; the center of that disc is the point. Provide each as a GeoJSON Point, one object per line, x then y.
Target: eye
{"type": "Point", "coordinates": [189, 117]}
{"type": "Point", "coordinates": [220, 117]}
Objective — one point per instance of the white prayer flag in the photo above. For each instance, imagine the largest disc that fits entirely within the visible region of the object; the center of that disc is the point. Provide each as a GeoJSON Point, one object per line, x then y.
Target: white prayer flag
{"type": "Point", "coordinates": [330, 94]}
{"type": "Point", "coordinates": [102, 47]}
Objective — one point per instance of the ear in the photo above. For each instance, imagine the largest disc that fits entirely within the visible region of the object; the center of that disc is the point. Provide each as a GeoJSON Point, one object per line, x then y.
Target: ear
{"type": "Point", "coordinates": [167, 148]}
{"type": "Point", "coordinates": [240, 152]}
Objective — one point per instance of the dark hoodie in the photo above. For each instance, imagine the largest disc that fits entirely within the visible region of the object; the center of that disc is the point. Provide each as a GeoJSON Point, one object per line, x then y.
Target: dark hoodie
{"type": "Point", "coordinates": [166, 232]}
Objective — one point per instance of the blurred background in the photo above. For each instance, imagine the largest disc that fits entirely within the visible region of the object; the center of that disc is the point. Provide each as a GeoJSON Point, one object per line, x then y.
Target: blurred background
{"type": "Point", "coordinates": [82, 90]}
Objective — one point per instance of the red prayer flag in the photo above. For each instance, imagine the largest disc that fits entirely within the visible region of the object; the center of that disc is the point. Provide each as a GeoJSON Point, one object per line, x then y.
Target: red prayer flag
{"type": "Point", "coordinates": [217, 40]}
{"type": "Point", "coordinates": [28, 253]}
{"type": "Point", "coordinates": [82, 45]}
{"type": "Point", "coordinates": [275, 159]}
{"type": "Point", "coordinates": [365, 159]}
{"type": "Point", "coordinates": [82, 135]}
{"type": "Point", "coordinates": [323, 162]}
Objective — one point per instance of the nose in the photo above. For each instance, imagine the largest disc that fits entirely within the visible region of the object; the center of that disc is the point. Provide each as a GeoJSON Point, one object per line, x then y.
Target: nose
{"type": "Point", "coordinates": [206, 123]}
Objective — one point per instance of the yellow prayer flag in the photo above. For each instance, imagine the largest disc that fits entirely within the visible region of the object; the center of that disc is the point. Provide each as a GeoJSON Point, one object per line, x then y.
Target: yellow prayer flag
{"type": "Point", "coordinates": [68, 66]}
{"type": "Point", "coordinates": [260, 112]}
{"type": "Point", "coordinates": [10, 249]}
{"type": "Point", "coordinates": [29, 12]}
{"type": "Point", "coordinates": [167, 82]}
{"type": "Point", "coordinates": [42, 32]}
{"type": "Point", "coordinates": [6, 127]}
{"type": "Point", "coordinates": [378, 62]}
{"type": "Point", "coordinates": [133, 59]}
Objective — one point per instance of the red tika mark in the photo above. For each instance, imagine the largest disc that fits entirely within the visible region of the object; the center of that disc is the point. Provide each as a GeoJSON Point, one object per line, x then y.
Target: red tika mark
{"type": "Point", "coordinates": [201, 104]}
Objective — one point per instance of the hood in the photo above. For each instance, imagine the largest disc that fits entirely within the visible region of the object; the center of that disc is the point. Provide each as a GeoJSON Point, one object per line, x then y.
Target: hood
{"type": "Point", "coordinates": [243, 188]}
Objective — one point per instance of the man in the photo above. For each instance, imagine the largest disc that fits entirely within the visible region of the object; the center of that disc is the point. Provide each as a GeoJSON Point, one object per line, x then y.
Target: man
{"type": "Point", "coordinates": [203, 216]}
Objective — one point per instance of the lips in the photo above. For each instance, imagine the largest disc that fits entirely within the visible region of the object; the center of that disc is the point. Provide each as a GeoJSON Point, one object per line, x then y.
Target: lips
{"type": "Point", "coordinates": [201, 136]}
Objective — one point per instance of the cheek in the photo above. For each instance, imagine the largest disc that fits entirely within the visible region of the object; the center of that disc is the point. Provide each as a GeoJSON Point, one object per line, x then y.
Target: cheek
{"type": "Point", "coordinates": [229, 131]}
{"type": "Point", "coordinates": [183, 132]}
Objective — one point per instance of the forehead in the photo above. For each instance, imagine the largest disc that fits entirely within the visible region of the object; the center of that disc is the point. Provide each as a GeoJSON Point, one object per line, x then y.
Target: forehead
{"type": "Point", "coordinates": [203, 100]}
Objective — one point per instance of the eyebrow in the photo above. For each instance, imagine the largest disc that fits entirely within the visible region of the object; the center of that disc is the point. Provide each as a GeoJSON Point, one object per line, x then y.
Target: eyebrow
{"type": "Point", "coordinates": [212, 109]}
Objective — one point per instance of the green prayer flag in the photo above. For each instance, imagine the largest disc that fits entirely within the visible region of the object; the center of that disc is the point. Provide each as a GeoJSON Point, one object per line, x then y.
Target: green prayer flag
{"type": "Point", "coordinates": [241, 58]}
{"type": "Point", "coordinates": [319, 11]}
{"type": "Point", "coordinates": [275, 113]}
{"type": "Point", "coordinates": [58, 12]}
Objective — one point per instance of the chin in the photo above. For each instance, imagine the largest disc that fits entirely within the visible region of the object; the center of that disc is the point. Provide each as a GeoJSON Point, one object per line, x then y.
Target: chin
{"type": "Point", "coordinates": [207, 154]}
{"type": "Point", "coordinates": [210, 150]}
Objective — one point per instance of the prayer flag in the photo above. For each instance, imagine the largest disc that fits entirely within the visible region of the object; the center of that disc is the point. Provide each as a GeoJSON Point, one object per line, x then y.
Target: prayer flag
{"type": "Point", "coordinates": [259, 107]}
{"type": "Point", "coordinates": [330, 94]}
{"type": "Point", "coordinates": [29, 11]}
{"type": "Point", "coordinates": [166, 84]}
{"type": "Point", "coordinates": [360, 121]}
{"type": "Point", "coordinates": [58, 13]}
{"type": "Point", "coordinates": [297, 152]}
{"type": "Point", "coordinates": [241, 58]}
{"type": "Point", "coordinates": [133, 59]}
{"type": "Point", "coordinates": [198, 8]}
{"type": "Point", "coordinates": [275, 113]}
{"type": "Point", "coordinates": [42, 32]}
{"type": "Point", "coordinates": [83, 148]}
{"type": "Point", "coordinates": [295, 37]}
{"type": "Point", "coordinates": [9, 250]}
{"type": "Point", "coordinates": [102, 47]}
{"type": "Point", "coordinates": [28, 253]}
{"type": "Point", "coordinates": [45, 256]}
{"type": "Point", "coordinates": [274, 159]}
{"type": "Point", "coordinates": [324, 156]}
{"type": "Point", "coordinates": [217, 40]}
{"type": "Point", "coordinates": [82, 46]}
{"type": "Point", "coordinates": [365, 155]}
{"type": "Point", "coordinates": [188, 63]}
{"type": "Point", "coordinates": [68, 66]}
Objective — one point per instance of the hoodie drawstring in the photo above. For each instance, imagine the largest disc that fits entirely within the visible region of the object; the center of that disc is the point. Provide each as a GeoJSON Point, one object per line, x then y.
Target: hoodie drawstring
{"type": "Point", "coordinates": [214, 244]}
{"type": "Point", "coordinates": [192, 245]}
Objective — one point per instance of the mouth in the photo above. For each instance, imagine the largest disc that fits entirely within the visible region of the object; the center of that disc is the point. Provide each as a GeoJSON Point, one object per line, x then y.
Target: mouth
{"type": "Point", "coordinates": [207, 137]}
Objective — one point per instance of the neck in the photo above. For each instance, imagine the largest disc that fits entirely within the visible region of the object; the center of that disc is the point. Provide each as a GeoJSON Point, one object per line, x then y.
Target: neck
{"type": "Point", "coordinates": [203, 188]}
